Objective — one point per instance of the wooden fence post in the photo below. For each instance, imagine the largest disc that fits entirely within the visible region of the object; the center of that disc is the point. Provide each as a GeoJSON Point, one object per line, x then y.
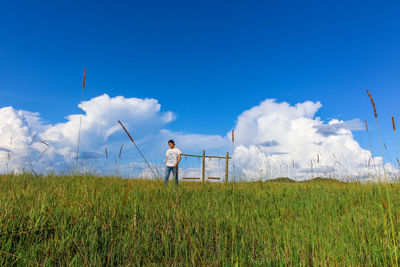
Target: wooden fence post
{"type": "Point", "coordinates": [203, 167]}
{"type": "Point", "coordinates": [226, 167]}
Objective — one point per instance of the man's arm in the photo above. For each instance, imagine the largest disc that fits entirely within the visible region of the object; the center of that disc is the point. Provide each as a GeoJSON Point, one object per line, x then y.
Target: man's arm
{"type": "Point", "coordinates": [179, 159]}
{"type": "Point", "coordinates": [166, 160]}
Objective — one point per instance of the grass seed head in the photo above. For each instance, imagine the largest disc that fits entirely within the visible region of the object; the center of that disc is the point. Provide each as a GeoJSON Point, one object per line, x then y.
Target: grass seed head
{"type": "Point", "coordinates": [84, 79]}
{"type": "Point", "coordinates": [373, 103]}
{"type": "Point", "coordinates": [384, 203]}
{"type": "Point", "coordinates": [394, 125]}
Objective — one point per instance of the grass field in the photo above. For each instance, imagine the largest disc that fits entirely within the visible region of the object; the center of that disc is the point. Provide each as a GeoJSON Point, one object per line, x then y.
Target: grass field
{"type": "Point", "coordinates": [111, 221]}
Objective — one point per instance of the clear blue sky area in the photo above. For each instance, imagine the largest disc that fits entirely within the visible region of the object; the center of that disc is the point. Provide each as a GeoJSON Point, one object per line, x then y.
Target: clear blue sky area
{"type": "Point", "coordinates": [205, 60]}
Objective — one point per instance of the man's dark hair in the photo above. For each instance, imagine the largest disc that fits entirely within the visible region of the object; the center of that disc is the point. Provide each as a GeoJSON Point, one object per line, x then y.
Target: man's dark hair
{"type": "Point", "coordinates": [171, 141]}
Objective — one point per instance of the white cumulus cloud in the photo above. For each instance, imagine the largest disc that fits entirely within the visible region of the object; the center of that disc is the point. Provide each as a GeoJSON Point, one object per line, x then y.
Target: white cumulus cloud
{"type": "Point", "coordinates": [18, 141]}
{"type": "Point", "coordinates": [277, 139]}
{"type": "Point", "coordinates": [272, 139]}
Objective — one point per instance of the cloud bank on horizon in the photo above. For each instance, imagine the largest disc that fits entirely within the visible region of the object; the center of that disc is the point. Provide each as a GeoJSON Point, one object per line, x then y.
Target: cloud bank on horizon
{"type": "Point", "coordinates": [272, 139]}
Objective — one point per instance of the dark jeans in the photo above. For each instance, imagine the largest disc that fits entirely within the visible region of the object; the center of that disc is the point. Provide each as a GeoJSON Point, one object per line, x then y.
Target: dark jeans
{"type": "Point", "coordinates": [168, 170]}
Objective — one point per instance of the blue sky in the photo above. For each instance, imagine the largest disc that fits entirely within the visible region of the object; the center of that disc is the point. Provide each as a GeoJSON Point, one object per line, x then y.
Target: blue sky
{"type": "Point", "coordinates": [206, 61]}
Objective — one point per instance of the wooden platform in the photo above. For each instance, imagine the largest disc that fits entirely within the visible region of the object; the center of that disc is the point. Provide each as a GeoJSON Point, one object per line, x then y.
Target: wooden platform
{"type": "Point", "coordinates": [190, 178]}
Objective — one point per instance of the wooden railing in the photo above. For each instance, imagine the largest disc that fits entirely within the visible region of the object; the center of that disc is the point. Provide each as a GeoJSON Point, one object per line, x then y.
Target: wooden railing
{"type": "Point", "coordinates": [203, 166]}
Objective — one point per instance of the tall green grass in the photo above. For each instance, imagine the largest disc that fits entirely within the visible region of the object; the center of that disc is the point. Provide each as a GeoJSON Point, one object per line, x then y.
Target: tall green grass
{"type": "Point", "coordinates": [86, 220]}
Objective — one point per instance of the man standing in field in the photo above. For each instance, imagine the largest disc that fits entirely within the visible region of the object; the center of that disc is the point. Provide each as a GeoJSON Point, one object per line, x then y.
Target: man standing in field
{"type": "Point", "coordinates": [172, 162]}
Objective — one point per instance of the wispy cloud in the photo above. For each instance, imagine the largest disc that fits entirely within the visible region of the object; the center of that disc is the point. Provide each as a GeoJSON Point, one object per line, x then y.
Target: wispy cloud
{"type": "Point", "coordinates": [335, 127]}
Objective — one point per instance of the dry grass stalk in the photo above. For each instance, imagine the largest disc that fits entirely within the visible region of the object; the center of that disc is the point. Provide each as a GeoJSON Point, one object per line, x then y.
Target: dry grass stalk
{"type": "Point", "coordinates": [19, 257]}
{"type": "Point", "coordinates": [373, 104]}
{"type": "Point", "coordinates": [366, 125]}
{"type": "Point", "coordinates": [105, 148]}
{"type": "Point", "coordinates": [41, 154]}
{"type": "Point", "coordinates": [233, 135]}
{"type": "Point", "coordinates": [43, 142]}
{"type": "Point", "coordinates": [120, 151]}
{"type": "Point", "coordinates": [126, 194]}
{"type": "Point", "coordinates": [395, 139]}
{"type": "Point", "coordinates": [109, 253]}
{"type": "Point", "coordinates": [386, 182]}
{"type": "Point", "coordinates": [140, 152]}
{"type": "Point", "coordinates": [80, 119]}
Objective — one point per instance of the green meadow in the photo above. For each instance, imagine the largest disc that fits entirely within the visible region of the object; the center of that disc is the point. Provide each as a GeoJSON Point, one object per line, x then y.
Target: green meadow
{"type": "Point", "coordinates": [93, 221]}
